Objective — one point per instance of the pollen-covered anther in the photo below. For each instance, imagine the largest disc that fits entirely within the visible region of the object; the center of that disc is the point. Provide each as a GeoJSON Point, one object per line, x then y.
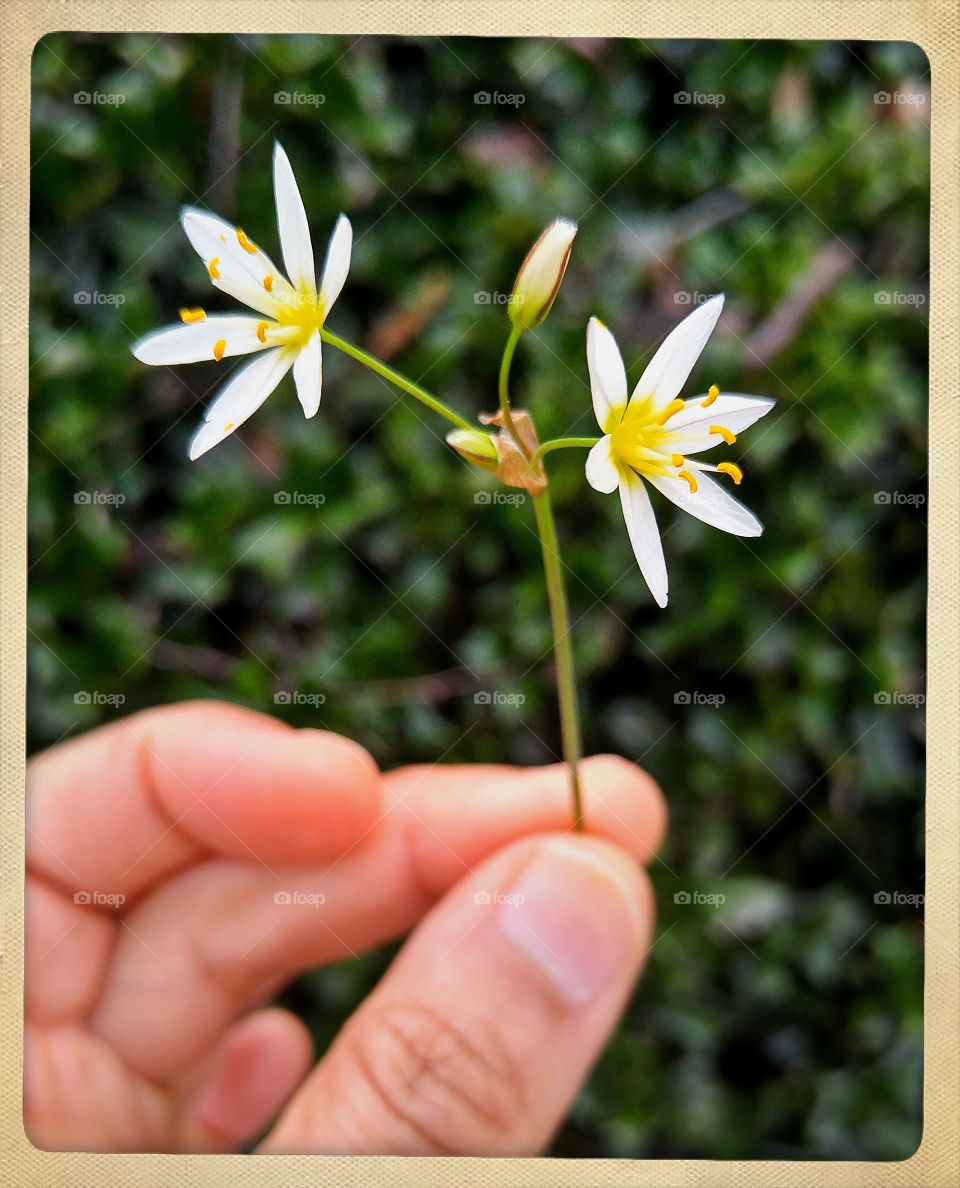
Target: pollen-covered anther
{"type": "Point", "coordinates": [218, 348]}
{"type": "Point", "coordinates": [727, 436]}
{"type": "Point", "coordinates": [676, 459]}
{"type": "Point", "coordinates": [213, 269]}
{"type": "Point", "coordinates": [733, 470]}
{"type": "Point", "coordinates": [712, 393]}
{"type": "Point", "coordinates": [671, 410]}
{"type": "Point", "coordinates": [268, 282]}
{"type": "Point", "coordinates": [196, 314]}
{"type": "Point", "coordinates": [262, 331]}
{"type": "Point", "coordinates": [244, 242]}
{"type": "Point", "coordinates": [691, 481]}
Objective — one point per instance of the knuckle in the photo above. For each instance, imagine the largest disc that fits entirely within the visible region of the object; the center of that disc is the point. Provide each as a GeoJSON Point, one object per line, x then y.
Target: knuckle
{"type": "Point", "coordinates": [450, 1087]}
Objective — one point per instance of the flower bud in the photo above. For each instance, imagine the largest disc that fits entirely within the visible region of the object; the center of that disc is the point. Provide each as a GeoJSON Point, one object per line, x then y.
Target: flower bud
{"type": "Point", "coordinates": [540, 275]}
{"type": "Point", "coordinates": [476, 447]}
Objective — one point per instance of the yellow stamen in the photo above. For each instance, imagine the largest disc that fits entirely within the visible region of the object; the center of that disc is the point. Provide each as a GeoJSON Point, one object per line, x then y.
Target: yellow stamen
{"type": "Point", "coordinates": [733, 470]}
{"type": "Point", "coordinates": [230, 425]}
{"type": "Point", "coordinates": [244, 242]}
{"type": "Point", "coordinates": [213, 269]}
{"type": "Point", "coordinates": [673, 407]}
{"type": "Point", "coordinates": [192, 315]}
{"type": "Point", "coordinates": [262, 331]}
{"type": "Point", "coordinates": [712, 393]}
{"type": "Point", "coordinates": [727, 436]}
{"type": "Point", "coordinates": [218, 348]}
{"type": "Point", "coordinates": [685, 474]}
{"type": "Point", "coordinates": [676, 459]}
{"type": "Point", "coordinates": [268, 282]}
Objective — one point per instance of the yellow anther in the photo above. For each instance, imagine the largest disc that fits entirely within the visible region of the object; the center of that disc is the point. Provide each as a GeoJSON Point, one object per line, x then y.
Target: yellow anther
{"type": "Point", "coordinates": [733, 470]}
{"type": "Point", "coordinates": [262, 331]}
{"type": "Point", "coordinates": [213, 269]}
{"type": "Point", "coordinates": [218, 348]}
{"type": "Point", "coordinates": [268, 282]}
{"type": "Point", "coordinates": [229, 425]}
{"type": "Point", "coordinates": [245, 243]}
{"type": "Point", "coordinates": [727, 436]}
{"type": "Point", "coordinates": [672, 408]}
{"type": "Point", "coordinates": [712, 393]}
{"type": "Point", "coordinates": [676, 459]}
{"type": "Point", "coordinates": [685, 474]}
{"type": "Point", "coordinates": [192, 315]}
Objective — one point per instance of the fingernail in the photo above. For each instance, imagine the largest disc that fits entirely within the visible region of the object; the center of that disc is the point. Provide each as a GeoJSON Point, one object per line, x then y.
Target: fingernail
{"type": "Point", "coordinates": [575, 918]}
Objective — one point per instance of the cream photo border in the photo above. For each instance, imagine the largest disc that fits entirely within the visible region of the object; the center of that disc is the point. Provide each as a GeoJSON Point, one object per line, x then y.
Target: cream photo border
{"type": "Point", "coordinates": [933, 25]}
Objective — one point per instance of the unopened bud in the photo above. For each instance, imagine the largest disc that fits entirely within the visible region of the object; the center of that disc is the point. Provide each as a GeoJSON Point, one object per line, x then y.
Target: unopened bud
{"type": "Point", "coordinates": [476, 447]}
{"type": "Point", "coordinates": [540, 275]}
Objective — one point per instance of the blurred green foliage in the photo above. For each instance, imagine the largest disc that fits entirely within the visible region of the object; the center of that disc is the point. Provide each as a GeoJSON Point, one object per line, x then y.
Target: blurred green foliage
{"type": "Point", "coordinates": [787, 1021]}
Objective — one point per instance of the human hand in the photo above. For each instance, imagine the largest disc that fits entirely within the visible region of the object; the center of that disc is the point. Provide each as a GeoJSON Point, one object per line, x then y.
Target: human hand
{"type": "Point", "coordinates": [145, 1029]}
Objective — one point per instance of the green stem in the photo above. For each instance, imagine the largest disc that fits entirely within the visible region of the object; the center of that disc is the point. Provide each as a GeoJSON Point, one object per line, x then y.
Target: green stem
{"type": "Point", "coordinates": [394, 377]}
{"type": "Point", "coordinates": [504, 387]}
{"type": "Point", "coordinates": [562, 648]}
{"type": "Point", "coordinates": [564, 443]}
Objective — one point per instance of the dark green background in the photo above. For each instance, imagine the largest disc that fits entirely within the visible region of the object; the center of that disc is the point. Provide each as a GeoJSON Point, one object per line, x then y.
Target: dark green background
{"type": "Point", "coordinates": [787, 1022]}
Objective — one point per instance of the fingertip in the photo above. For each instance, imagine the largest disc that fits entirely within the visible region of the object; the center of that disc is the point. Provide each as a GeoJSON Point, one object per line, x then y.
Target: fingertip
{"type": "Point", "coordinates": [624, 803]}
{"type": "Point", "coordinates": [245, 784]}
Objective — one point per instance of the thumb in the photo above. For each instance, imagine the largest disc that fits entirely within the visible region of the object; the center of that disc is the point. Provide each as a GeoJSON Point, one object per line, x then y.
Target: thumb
{"type": "Point", "coordinates": [486, 1025]}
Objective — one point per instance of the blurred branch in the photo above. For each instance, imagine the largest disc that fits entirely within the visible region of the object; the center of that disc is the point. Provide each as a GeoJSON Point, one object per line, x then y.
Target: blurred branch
{"type": "Point", "coordinates": [782, 326]}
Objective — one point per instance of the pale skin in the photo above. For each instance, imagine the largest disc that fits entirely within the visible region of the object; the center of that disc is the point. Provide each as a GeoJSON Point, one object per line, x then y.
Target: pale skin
{"type": "Point", "coordinates": [147, 1022]}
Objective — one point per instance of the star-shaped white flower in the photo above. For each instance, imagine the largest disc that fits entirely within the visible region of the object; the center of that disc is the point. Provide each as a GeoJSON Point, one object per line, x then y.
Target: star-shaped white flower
{"type": "Point", "coordinates": [287, 332]}
{"type": "Point", "coordinates": [652, 435]}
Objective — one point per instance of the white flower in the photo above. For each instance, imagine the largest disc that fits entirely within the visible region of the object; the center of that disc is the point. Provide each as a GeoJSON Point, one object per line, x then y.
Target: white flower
{"type": "Point", "coordinates": [287, 332]}
{"type": "Point", "coordinates": [652, 435]}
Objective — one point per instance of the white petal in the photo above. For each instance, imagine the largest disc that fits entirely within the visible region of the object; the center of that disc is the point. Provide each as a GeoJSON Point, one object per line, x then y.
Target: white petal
{"type": "Point", "coordinates": [242, 395]}
{"type": "Point", "coordinates": [195, 342]}
{"type": "Point", "coordinates": [306, 375]}
{"type": "Point", "coordinates": [602, 474]}
{"type": "Point", "coordinates": [644, 536]}
{"type": "Point", "coordinates": [667, 371]}
{"type": "Point", "coordinates": [337, 263]}
{"type": "Point", "coordinates": [241, 272]}
{"type": "Point", "coordinates": [710, 503]}
{"type": "Point", "coordinates": [292, 224]}
{"type": "Point", "coordinates": [690, 427]}
{"type": "Point", "coordinates": [608, 377]}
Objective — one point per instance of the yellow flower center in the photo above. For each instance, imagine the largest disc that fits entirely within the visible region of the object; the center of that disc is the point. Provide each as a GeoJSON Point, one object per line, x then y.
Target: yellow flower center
{"type": "Point", "coordinates": [302, 312]}
{"type": "Point", "coordinates": [641, 440]}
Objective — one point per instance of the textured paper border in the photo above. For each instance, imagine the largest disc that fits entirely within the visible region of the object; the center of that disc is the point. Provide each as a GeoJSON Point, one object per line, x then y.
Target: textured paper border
{"type": "Point", "coordinates": [934, 26]}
